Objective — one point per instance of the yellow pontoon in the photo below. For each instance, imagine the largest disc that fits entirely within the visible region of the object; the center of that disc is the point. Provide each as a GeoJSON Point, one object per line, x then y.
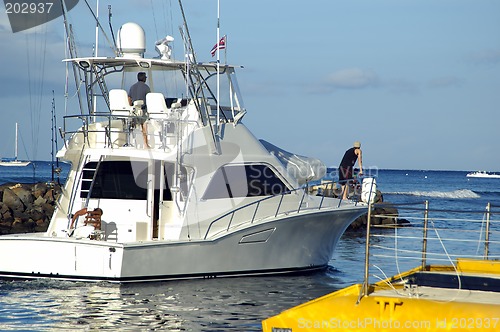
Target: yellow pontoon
{"type": "Point", "coordinates": [461, 296]}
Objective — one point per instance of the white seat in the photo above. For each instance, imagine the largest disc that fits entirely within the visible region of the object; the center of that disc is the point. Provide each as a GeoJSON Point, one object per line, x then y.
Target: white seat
{"type": "Point", "coordinates": [121, 109]}
{"type": "Point", "coordinates": [118, 103]}
{"type": "Point", "coordinates": [157, 108]}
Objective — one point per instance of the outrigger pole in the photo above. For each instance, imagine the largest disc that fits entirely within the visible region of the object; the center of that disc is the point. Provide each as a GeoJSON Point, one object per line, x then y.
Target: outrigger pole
{"type": "Point", "coordinates": [72, 54]}
{"type": "Point", "coordinates": [205, 116]}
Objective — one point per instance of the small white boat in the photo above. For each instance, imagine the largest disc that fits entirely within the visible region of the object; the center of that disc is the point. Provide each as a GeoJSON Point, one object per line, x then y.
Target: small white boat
{"type": "Point", "coordinates": [14, 161]}
{"type": "Point", "coordinates": [205, 199]}
{"type": "Point", "coordinates": [483, 174]}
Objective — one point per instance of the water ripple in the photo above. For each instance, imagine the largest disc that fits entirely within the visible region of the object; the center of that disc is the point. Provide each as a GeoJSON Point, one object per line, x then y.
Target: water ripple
{"type": "Point", "coordinates": [220, 304]}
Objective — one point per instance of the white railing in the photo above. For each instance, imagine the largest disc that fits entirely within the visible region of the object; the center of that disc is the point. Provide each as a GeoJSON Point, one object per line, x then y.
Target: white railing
{"type": "Point", "coordinates": [271, 206]}
{"type": "Point", "coordinates": [432, 237]}
{"type": "Point", "coordinates": [105, 130]}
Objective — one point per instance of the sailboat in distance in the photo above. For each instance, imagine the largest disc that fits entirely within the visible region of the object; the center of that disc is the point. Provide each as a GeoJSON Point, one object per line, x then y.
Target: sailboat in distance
{"type": "Point", "coordinates": [14, 161]}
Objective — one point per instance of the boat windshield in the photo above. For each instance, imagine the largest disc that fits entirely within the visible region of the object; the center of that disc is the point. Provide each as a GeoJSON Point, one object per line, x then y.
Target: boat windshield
{"type": "Point", "coordinates": [175, 80]}
{"type": "Point", "coordinates": [230, 100]}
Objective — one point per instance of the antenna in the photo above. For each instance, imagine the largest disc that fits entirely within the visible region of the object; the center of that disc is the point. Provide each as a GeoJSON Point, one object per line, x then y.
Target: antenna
{"type": "Point", "coordinates": [112, 45]}
{"type": "Point", "coordinates": [96, 32]}
{"type": "Point", "coordinates": [110, 25]}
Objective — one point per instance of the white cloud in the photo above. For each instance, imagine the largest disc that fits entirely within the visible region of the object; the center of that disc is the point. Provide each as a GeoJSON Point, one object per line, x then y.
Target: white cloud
{"type": "Point", "coordinates": [352, 78]}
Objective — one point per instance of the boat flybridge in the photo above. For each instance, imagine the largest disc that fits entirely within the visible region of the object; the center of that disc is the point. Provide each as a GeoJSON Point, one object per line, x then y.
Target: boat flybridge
{"type": "Point", "coordinates": [202, 197]}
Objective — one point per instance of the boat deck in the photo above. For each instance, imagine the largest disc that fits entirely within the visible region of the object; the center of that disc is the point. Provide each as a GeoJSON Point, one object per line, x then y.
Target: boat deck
{"type": "Point", "coordinates": [467, 280]}
{"type": "Point", "coordinates": [441, 295]}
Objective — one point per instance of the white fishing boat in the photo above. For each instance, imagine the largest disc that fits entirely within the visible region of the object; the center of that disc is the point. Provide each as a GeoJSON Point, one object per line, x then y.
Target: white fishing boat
{"type": "Point", "coordinates": [14, 161]}
{"type": "Point", "coordinates": [205, 199]}
{"type": "Point", "coordinates": [483, 174]}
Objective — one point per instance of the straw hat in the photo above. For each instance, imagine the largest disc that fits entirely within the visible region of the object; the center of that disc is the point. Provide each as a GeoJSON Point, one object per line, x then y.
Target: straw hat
{"type": "Point", "coordinates": [357, 144]}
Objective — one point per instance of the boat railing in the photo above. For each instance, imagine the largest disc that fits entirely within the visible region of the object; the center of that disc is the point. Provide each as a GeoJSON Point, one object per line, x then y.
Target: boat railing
{"type": "Point", "coordinates": [430, 236]}
{"type": "Point", "coordinates": [105, 130]}
{"type": "Point", "coordinates": [273, 206]}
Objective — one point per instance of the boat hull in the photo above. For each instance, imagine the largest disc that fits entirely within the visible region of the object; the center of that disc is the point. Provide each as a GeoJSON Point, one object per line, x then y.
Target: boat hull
{"type": "Point", "coordinates": [483, 175]}
{"type": "Point", "coordinates": [342, 311]}
{"type": "Point", "coordinates": [14, 163]}
{"type": "Point", "coordinates": [288, 244]}
{"type": "Point", "coordinates": [439, 302]}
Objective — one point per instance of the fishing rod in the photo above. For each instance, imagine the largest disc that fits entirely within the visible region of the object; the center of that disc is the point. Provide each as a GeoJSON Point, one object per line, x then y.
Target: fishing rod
{"type": "Point", "coordinates": [56, 169]}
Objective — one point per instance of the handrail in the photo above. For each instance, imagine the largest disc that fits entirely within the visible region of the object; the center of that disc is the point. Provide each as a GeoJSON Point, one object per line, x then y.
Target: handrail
{"type": "Point", "coordinates": [108, 118]}
{"type": "Point", "coordinates": [257, 205]}
{"type": "Point", "coordinates": [437, 237]}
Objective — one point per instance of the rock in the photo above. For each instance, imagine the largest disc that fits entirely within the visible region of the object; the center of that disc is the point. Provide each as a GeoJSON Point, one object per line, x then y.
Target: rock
{"type": "Point", "coordinates": [24, 194]}
{"type": "Point", "coordinates": [39, 190]}
{"type": "Point", "coordinates": [27, 207]}
{"type": "Point", "coordinates": [3, 208]}
{"type": "Point", "coordinates": [41, 225]}
{"type": "Point", "coordinates": [39, 201]}
{"type": "Point", "coordinates": [35, 213]}
{"type": "Point", "coordinates": [51, 194]}
{"type": "Point", "coordinates": [12, 200]}
{"type": "Point", "coordinates": [383, 214]}
{"type": "Point", "coordinates": [5, 227]}
{"type": "Point", "coordinates": [403, 222]}
{"type": "Point", "coordinates": [48, 209]}
{"type": "Point", "coordinates": [8, 217]}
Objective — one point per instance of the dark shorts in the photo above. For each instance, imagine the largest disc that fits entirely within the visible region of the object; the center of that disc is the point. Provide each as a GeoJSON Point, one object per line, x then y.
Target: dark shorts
{"type": "Point", "coordinates": [345, 174]}
{"type": "Point", "coordinates": [140, 118]}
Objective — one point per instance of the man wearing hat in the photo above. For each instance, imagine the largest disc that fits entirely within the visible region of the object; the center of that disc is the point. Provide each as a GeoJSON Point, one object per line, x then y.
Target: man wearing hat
{"type": "Point", "coordinates": [138, 91]}
{"type": "Point", "coordinates": [347, 166]}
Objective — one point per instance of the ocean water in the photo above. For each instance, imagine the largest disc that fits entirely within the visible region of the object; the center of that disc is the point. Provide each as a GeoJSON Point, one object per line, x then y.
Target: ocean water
{"type": "Point", "coordinates": [237, 304]}
{"type": "Point", "coordinates": [38, 171]}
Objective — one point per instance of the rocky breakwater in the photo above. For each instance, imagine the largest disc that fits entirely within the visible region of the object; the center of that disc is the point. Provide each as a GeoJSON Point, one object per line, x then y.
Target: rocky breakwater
{"type": "Point", "coordinates": [383, 213]}
{"type": "Point", "coordinates": [26, 208]}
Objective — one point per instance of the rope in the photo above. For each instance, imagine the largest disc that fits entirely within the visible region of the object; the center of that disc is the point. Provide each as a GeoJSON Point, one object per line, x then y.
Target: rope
{"type": "Point", "coordinates": [446, 232]}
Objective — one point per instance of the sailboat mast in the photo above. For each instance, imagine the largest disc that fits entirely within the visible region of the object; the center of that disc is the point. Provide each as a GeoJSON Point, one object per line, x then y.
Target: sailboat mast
{"type": "Point", "coordinates": [15, 149]}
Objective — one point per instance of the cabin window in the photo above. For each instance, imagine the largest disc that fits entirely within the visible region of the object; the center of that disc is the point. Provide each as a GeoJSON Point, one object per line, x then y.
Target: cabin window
{"type": "Point", "coordinates": [119, 180]}
{"type": "Point", "coordinates": [115, 180]}
{"type": "Point", "coordinates": [232, 181]}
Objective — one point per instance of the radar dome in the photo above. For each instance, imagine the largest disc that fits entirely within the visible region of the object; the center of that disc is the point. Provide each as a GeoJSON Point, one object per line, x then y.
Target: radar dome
{"type": "Point", "coordinates": [131, 41]}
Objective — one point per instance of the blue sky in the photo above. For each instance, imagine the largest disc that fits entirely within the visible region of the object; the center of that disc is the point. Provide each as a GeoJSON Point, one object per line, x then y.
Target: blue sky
{"type": "Point", "coordinates": [416, 81]}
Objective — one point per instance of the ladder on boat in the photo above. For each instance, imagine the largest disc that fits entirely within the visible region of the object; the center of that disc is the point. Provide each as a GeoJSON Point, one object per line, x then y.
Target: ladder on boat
{"type": "Point", "coordinates": [89, 172]}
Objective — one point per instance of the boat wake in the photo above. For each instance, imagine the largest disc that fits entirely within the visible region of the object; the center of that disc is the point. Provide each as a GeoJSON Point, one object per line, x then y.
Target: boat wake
{"type": "Point", "coordinates": [460, 193]}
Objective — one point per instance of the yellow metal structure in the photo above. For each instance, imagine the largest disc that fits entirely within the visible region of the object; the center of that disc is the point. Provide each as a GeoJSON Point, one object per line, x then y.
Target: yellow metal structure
{"type": "Point", "coordinates": [395, 304]}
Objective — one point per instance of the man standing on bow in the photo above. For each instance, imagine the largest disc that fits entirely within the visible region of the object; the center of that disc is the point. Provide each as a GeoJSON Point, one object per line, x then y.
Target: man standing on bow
{"type": "Point", "coordinates": [346, 167]}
